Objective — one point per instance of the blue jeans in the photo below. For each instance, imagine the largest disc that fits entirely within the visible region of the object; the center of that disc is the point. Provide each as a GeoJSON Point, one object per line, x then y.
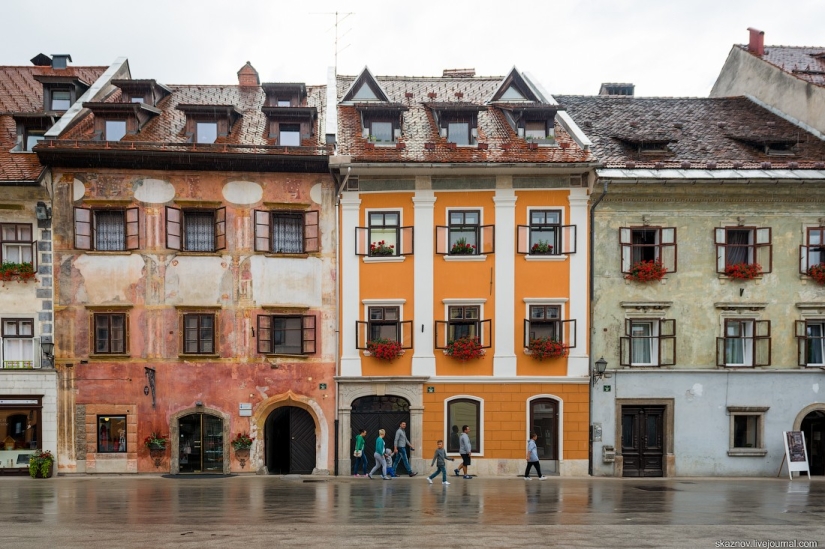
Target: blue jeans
{"type": "Point", "coordinates": [362, 460]}
{"type": "Point", "coordinates": [443, 471]}
{"type": "Point", "coordinates": [402, 456]}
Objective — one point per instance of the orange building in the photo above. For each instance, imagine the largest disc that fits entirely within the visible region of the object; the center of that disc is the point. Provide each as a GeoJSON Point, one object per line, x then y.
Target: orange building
{"type": "Point", "coordinates": [463, 257]}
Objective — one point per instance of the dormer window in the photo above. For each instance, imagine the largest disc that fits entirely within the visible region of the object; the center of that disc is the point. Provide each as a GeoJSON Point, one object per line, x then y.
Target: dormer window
{"type": "Point", "coordinates": [32, 138]}
{"type": "Point", "coordinates": [136, 99]}
{"type": "Point", "coordinates": [141, 91]}
{"type": "Point", "coordinates": [653, 147]}
{"type": "Point", "coordinates": [31, 129]}
{"type": "Point", "coordinates": [458, 132]}
{"type": "Point", "coordinates": [381, 123]}
{"type": "Point", "coordinates": [61, 100]}
{"type": "Point", "coordinates": [289, 135]}
{"type": "Point", "coordinates": [457, 122]}
{"type": "Point", "coordinates": [779, 149]}
{"type": "Point", "coordinates": [209, 123]}
{"type": "Point", "coordinates": [206, 132]}
{"type": "Point", "coordinates": [113, 121]}
{"type": "Point", "coordinates": [381, 131]}
{"type": "Point", "coordinates": [284, 103]}
{"type": "Point", "coordinates": [115, 130]}
{"type": "Point", "coordinates": [536, 129]}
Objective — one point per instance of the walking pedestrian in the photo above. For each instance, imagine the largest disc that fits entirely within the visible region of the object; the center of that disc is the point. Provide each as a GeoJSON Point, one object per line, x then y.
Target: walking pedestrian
{"type": "Point", "coordinates": [400, 448]}
{"type": "Point", "coordinates": [533, 458]}
{"type": "Point", "coordinates": [358, 454]}
{"type": "Point", "coordinates": [438, 460]}
{"type": "Point", "coordinates": [379, 457]}
{"type": "Point", "coordinates": [466, 450]}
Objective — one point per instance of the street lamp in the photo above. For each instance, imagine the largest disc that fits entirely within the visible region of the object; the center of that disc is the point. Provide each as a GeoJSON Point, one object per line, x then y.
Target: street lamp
{"type": "Point", "coordinates": [598, 371]}
{"type": "Point", "coordinates": [42, 212]}
{"type": "Point", "coordinates": [47, 348]}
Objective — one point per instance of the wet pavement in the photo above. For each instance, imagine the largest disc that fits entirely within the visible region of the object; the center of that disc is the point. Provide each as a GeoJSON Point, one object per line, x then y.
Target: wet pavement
{"type": "Point", "coordinates": [259, 511]}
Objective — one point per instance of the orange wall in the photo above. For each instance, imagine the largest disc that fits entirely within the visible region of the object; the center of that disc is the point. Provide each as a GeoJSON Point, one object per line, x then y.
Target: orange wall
{"type": "Point", "coordinates": [505, 416]}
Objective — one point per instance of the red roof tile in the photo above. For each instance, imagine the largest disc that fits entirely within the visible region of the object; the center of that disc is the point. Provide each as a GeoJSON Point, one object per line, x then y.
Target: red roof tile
{"type": "Point", "coordinates": [803, 62]}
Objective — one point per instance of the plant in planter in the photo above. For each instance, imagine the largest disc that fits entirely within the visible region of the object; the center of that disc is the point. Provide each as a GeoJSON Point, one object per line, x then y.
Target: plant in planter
{"type": "Point", "coordinates": [381, 248]}
{"type": "Point", "coordinates": [384, 349]}
{"type": "Point", "coordinates": [40, 464]}
{"type": "Point", "coordinates": [647, 271]}
{"type": "Point", "coordinates": [156, 441]}
{"type": "Point", "coordinates": [462, 248]}
{"type": "Point", "coordinates": [242, 443]}
{"type": "Point", "coordinates": [542, 247]}
{"type": "Point", "coordinates": [545, 347]}
{"type": "Point", "coordinates": [465, 348]}
{"type": "Point", "coordinates": [22, 272]}
{"type": "Point", "coordinates": [817, 272]}
{"type": "Point", "coordinates": [743, 271]}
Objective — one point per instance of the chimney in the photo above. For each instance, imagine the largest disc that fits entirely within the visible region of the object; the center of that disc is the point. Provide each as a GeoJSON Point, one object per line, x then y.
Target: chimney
{"type": "Point", "coordinates": [458, 73]}
{"type": "Point", "coordinates": [60, 60]}
{"type": "Point", "coordinates": [248, 76]}
{"type": "Point", "coordinates": [756, 44]}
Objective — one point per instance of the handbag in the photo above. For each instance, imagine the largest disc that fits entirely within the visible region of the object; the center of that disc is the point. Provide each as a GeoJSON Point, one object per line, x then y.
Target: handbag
{"type": "Point", "coordinates": [357, 453]}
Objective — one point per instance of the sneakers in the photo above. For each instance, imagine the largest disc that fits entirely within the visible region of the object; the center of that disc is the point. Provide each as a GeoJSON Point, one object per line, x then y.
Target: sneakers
{"type": "Point", "coordinates": [387, 478]}
{"type": "Point", "coordinates": [542, 478]}
{"type": "Point", "coordinates": [456, 472]}
{"type": "Point", "coordinates": [527, 478]}
{"type": "Point", "coordinates": [468, 477]}
{"type": "Point", "coordinates": [445, 482]}
{"type": "Point", "coordinates": [429, 480]}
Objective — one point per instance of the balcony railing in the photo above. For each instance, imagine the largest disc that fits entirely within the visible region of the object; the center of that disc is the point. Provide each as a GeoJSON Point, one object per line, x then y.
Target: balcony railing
{"type": "Point", "coordinates": [18, 364]}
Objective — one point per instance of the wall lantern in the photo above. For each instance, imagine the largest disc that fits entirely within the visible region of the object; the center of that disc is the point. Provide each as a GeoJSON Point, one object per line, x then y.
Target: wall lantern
{"type": "Point", "coordinates": [598, 371]}
{"type": "Point", "coordinates": [42, 212]}
{"type": "Point", "coordinates": [47, 348]}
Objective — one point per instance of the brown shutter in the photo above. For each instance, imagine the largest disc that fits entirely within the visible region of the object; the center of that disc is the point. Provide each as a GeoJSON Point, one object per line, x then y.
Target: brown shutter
{"type": "Point", "coordinates": [526, 332]}
{"type": "Point", "coordinates": [262, 221]}
{"type": "Point", "coordinates": [309, 335]}
{"type": "Point", "coordinates": [568, 239]}
{"type": "Point", "coordinates": [311, 232]}
{"type": "Point", "coordinates": [667, 242]}
{"type": "Point", "coordinates": [626, 242]}
{"type": "Point", "coordinates": [568, 332]}
{"type": "Point", "coordinates": [126, 348]}
{"type": "Point", "coordinates": [764, 248]}
{"type": "Point", "coordinates": [802, 342]}
{"type": "Point", "coordinates": [406, 329]}
{"type": "Point", "coordinates": [34, 255]}
{"type": "Point", "coordinates": [441, 329]}
{"type": "Point", "coordinates": [667, 342]}
{"type": "Point", "coordinates": [220, 229]}
{"type": "Point", "coordinates": [132, 229]}
{"type": "Point", "coordinates": [486, 333]}
{"type": "Point", "coordinates": [174, 223]}
{"type": "Point", "coordinates": [82, 228]}
{"type": "Point", "coordinates": [361, 334]}
{"type": "Point", "coordinates": [264, 334]}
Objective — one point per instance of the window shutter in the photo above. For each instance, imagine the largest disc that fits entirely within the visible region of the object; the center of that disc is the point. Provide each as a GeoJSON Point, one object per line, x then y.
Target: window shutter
{"type": "Point", "coordinates": [720, 351]}
{"type": "Point", "coordinates": [173, 228]}
{"type": "Point", "coordinates": [720, 234]}
{"type": "Point", "coordinates": [764, 249]}
{"type": "Point", "coordinates": [132, 229]}
{"type": "Point", "coordinates": [92, 334]}
{"type": "Point", "coordinates": [34, 255]}
{"type": "Point", "coordinates": [803, 259]}
{"type": "Point", "coordinates": [668, 248]}
{"type": "Point", "coordinates": [568, 332]}
{"type": "Point", "coordinates": [624, 351]}
{"type": "Point", "coordinates": [626, 239]}
{"type": "Point", "coordinates": [263, 232]}
{"type": "Point", "coordinates": [667, 342]}
{"type": "Point", "coordinates": [440, 334]}
{"type": "Point", "coordinates": [362, 330]}
{"type": "Point", "coordinates": [309, 334]}
{"type": "Point", "coordinates": [362, 241]}
{"type": "Point", "coordinates": [486, 332]}
{"type": "Point", "coordinates": [406, 240]}
{"type": "Point", "coordinates": [220, 229]}
{"type": "Point", "coordinates": [442, 242]}
{"type": "Point", "coordinates": [523, 239]}
{"type": "Point", "coordinates": [311, 232]}
{"type": "Point", "coordinates": [801, 328]}
{"type": "Point", "coordinates": [264, 334]}
{"type": "Point", "coordinates": [568, 239]}
{"type": "Point", "coordinates": [762, 342]}
{"type": "Point", "coordinates": [526, 332]}
{"type": "Point", "coordinates": [406, 329]}
{"type": "Point", "coordinates": [126, 333]}
{"type": "Point", "coordinates": [82, 228]}
{"type": "Point", "coordinates": [488, 239]}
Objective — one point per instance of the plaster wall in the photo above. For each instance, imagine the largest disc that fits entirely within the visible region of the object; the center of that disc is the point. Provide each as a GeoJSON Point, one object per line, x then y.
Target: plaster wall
{"type": "Point", "coordinates": [747, 74]}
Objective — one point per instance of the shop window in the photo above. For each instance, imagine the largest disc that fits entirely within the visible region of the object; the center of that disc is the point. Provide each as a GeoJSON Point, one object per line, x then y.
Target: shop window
{"type": "Point", "coordinates": [110, 333]}
{"type": "Point", "coordinates": [106, 230]}
{"type": "Point", "coordinates": [196, 230]}
{"type": "Point", "coordinates": [21, 417]}
{"type": "Point", "coordinates": [286, 334]}
{"type": "Point", "coordinates": [286, 232]}
{"type": "Point", "coordinates": [18, 343]}
{"type": "Point", "coordinates": [199, 333]}
{"type": "Point", "coordinates": [461, 412]}
{"type": "Point", "coordinates": [111, 434]}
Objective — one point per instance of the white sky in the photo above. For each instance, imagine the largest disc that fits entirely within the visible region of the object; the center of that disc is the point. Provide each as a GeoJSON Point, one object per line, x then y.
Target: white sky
{"type": "Point", "coordinates": [665, 47]}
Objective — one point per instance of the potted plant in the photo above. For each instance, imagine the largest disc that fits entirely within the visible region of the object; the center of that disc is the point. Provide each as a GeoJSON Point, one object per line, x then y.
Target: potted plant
{"type": "Point", "coordinates": [542, 247]}
{"type": "Point", "coordinates": [242, 443]}
{"type": "Point", "coordinates": [647, 271]}
{"type": "Point", "coordinates": [545, 347]}
{"type": "Point", "coordinates": [40, 464]}
{"type": "Point", "coordinates": [465, 348]}
{"type": "Point", "coordinates": [156, 441]}
{"type": "Point", "coordinates": [22, 272]}
{"type": "Point", "coordinates": [381, 248]}
{"type": "Point", "coordinates": [817, 272]}
{"type": "Point", "coordinates": [743, 271]}
{"type": "Point", "coordinates": [384, 349]}
{"type": "Point", "coordinates": [462, 248]}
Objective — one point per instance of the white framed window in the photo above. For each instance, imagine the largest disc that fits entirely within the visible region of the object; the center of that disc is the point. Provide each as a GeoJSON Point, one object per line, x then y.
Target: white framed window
{"type": "Point", "coordinates": [384, 235]}
{"type": "Point", "coordinates": [464, 318]}
{"type": "Point", "coordinates": [461, 410]}
{"type": "Point", "coordinates": [810, 336]}
{"type": "Point", "coordinates": [18, 343]}
{"type": "Point", "coordinates": [746, 343]}
{"type": "Point", "coordinates": [649, 342]}
{"type": "Point", "coordinates": [648, 243]}
{"type": "Point", "coordinates": [16, 244]}
{"type": "Point", "coordinates": [465, 234]}
{"type": "Point", "coordinates": [747, 430]}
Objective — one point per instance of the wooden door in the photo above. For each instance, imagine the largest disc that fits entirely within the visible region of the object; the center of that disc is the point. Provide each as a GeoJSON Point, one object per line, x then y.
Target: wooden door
{"type": "Point", "coordinates": [643, 441]}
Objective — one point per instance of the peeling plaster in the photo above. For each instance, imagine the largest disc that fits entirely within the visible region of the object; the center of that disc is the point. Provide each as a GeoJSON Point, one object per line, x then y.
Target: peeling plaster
{"type": "Point", "coordinates": [243, 192]}
{"type": "Point", "coordinates": [695, 391]}
{"type": "Point", "coordinates": [78, 190]}
{"type": "Point", "coordinates": [115, 277]}
{"type": "Point", "coordinates": [816, 387]}
{"type": "Point", "coordinates": [182, 274]}
{"type": "Point", "coordinates": [154, 191]}
{"type": "Point", "coordinates": [286, 281]}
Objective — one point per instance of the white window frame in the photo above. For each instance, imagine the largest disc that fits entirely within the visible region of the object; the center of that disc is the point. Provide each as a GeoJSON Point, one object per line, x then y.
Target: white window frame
{"type": "Point", "coordinates": [750, 411]}
{"type": "Point", "coordinates": [447, 426]}
{"type": "Point", "coordinates": [652, 340]}
{"type": "Point", "coordinates": [554, 257]}
{"type": "Point", "coordinates": [469, 302]}
{"type": "Point", "coordinates": [35, 339]}
{"type": "Point", "coordinates": [477, 257]}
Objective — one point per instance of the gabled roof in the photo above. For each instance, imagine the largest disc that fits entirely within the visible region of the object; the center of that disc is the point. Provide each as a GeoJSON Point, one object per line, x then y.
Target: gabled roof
{"type": "Point", "coordinates": [712, 133]}
{"type": "Point", "coordinates": [365, 88]}
{"type": "Point", "coordinates": [515, 88]}
{"type": "Point", "coordinates": [806, 63]}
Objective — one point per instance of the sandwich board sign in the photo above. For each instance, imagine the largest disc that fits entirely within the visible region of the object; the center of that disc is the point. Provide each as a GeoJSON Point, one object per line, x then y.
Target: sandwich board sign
{"type": "Point", "coordinates": [796, 453]}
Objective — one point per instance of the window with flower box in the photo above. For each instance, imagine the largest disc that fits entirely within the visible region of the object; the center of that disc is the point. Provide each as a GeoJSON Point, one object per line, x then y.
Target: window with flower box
{"type": "Point", "coordinates": [648, 342]}
{"type": "Point", "coordinates": [106, 230]}
{"type": "Point", "coordinates": [16, 244]}
{"type": "Point", "coordinates": [18, 343]}
{"type": "Point", "coordinates": [812, 253]}
{"type": "Point", "coordinates": [463, 321]}
{"type": "Point", "coordinates": [648, 244]}
{"type": "Point", "coordinates": [384, 324]}
{"type": "Point", "coordinates": [286, 231]}
{"type": "Point", "coordinates": [545, 323]}
{"type": "Point", "coordinates": [286, 334]}
{"type": "Point", "coordinates": [743, 246]}
{"type": "Point", "coordinates": [195, 230]}
{"type": "Point", "coordinates": [746, 343]}
{"type": "Point", "coordinates": [465, 235]}
{"type": "Point", "coordinates": [810, 338]}
{"type": "Point", "coordinates": [384, 236]}
{"type": "Point", "coordinates": [545, 235]}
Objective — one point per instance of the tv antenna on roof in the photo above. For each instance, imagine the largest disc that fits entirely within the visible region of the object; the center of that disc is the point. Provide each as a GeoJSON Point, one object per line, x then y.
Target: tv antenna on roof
{"type": "Point", "coordinates": [339, 18]}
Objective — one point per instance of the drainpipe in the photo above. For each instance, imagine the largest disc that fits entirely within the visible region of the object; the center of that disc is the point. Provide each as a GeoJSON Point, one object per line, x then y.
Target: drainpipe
{"type": "Point", "coordinates": [592, 335]}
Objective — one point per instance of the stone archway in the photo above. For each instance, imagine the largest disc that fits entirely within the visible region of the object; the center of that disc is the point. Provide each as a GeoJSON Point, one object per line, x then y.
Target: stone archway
{"type": "Point", "coordinates": [174, 436]}
{"type": "Point", "coordinates": [811, 421]}
{"type": "Point", "coordinates": [258, 426]}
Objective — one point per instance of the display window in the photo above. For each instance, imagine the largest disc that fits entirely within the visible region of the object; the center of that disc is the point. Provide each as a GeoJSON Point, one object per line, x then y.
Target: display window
{"type": "Point", "coordinates": [111, 434]}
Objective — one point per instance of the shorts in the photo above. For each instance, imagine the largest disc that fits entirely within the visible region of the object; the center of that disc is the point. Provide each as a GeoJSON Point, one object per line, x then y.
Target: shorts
{"type": "Point", "coordinates": [465, 458]}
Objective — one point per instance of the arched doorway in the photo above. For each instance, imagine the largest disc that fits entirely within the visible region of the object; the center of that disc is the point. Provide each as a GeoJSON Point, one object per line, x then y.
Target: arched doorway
{"type": "Point", "coordinates": [813, 425]}
{"type": "Point", "coordinates": [378, 412]}
{"type": "Point", "coordinates": [289, 441]}
{"type": "Point", "coordinates": [544, 421]}
{"type": "Point", "coordinates": [200, 444]}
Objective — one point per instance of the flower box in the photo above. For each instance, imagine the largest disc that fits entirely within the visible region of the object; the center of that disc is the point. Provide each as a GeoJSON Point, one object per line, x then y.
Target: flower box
{"type": "Point", "coordinates": [647, 271]}
{"type": "Point", "coordinates": [544, 347]}
{"type": "Point", "coordinates": [817, 272]}
{"type": "Point", "coordinates": [464, 349]}
{"type": "Point", "coordinates": [381, 248]}
{"type": "Point", "coordinates": [461, 247]}
{"type": "Point", "coordinates": [21, 272]}
{"type": "Point", "coordinates": [241, 442]}
{"type": "Point", "coordinates": [384, 349]}
{"type": "Point", "coordinates": [743, 271]}
{"type": "Point", "coordinates": [542, 247]}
